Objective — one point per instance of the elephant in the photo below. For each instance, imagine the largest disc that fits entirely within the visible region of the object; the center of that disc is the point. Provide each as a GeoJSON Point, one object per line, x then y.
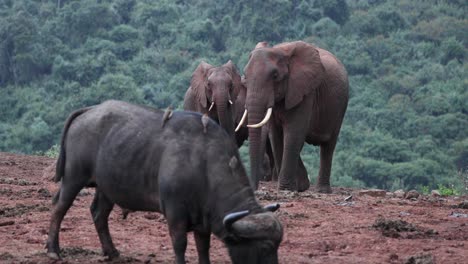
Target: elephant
{"type": "Point", "coordinates": [301, 92]}
{"type": "Point", "coordinates": [220, 93]}
{"type": "Point", "coordinates": [214, 91]}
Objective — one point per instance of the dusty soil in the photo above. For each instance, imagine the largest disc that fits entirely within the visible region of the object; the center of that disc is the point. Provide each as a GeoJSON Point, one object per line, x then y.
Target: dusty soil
{"type": "Point", "coordinates": [318, 228]}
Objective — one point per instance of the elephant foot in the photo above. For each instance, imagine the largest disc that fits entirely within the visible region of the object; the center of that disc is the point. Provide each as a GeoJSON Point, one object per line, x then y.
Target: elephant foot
{"type": "Point", "coordinates": [303, 185]}
{"type": "Point", "coordinates": [286, 187]}
{"type": "Point", "coordinates": [324, 188]}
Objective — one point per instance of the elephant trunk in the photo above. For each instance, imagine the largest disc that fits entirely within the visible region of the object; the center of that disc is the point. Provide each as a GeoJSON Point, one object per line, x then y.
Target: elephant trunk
{"type": "Point", "coordinates": [257, 139]}
{"type": "Point", "coordinates": [224, 111]}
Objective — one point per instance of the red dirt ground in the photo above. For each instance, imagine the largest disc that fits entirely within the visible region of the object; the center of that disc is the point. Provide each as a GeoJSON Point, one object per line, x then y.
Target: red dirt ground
{"type": "Point", "coordinates": [318, 228]}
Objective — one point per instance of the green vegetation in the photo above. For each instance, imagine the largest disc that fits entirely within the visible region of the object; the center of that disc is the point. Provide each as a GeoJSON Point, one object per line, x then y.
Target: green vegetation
{"type": "Point", "coordinates": [407, 119]}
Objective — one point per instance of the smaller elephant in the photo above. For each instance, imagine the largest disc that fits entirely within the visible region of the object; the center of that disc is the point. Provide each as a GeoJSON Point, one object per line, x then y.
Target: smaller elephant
{"type": "Point", "coordinates": [220, 93]}
{"type": "Point", "coordinates": [214, 91]}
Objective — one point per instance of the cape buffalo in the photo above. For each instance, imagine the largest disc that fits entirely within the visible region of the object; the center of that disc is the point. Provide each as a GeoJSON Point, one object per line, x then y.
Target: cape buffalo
{"type": "Point", "coordinates": [145, 159]}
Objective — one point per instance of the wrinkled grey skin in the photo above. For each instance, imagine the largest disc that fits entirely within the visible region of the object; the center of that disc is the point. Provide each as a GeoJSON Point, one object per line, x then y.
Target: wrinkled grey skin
{"type": "Point", "coordinates": [307, 90]}
{"type": "Point", "coordinates": [142, 163]}
{"type": "Point", "coordinates": [217, 87]}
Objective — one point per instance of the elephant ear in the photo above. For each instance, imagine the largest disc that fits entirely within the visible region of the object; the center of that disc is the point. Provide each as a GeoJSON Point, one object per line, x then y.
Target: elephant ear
{"type": "Point", "coordinates": [262, 44]}
{"type": "Point", "coordinates": [236, 79]}
{"type": "Point", "coordinates": [306, 72]}
{"type": "Point", "coordinates": [199, 82]}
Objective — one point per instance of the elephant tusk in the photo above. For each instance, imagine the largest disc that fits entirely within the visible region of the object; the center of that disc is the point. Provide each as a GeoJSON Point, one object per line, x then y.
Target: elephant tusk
{"type": "Point", "coordinates": [230, 102]}
{"type": "Point", "coordinates": [211, 106]}
{"type": "Point", "coordinates": [244, 116]}
{"type": "Point", "coordinates": [264, 121]}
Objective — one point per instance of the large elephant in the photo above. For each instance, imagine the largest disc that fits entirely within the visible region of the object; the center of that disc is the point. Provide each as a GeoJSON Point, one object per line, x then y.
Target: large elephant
{"type": "Point", "coordinates": [213, 91]}
{"type": "Point", "coordinates": [304, 89]}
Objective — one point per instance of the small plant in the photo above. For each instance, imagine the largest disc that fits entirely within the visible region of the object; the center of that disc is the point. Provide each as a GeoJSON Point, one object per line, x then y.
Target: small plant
{"type": "Point", "coordinates": [446, 191]}
{"type": "Point", "coordinates": [53, 152]}
{"type": "Point", "coordinates": [424, 189]}
{"type": "Point", "coordinates": [462, 176]}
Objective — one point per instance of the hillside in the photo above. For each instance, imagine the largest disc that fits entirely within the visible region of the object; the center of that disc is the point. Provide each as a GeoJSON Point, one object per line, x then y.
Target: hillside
{"type": "Point", "coordinates": [407, 119]}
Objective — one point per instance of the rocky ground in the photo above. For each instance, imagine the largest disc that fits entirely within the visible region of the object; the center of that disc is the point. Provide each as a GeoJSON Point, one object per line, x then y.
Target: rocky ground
{"type": "Point", "coordinates": [348, 226]}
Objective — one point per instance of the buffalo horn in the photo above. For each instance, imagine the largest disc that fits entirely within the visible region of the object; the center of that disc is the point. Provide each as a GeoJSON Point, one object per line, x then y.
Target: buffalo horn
{"type": "Point", "coordinates": [272, 207]}
{"type": "Point", "coordinates": [260, 226]}
{"type": "Point", "coordinates": [229, 219]}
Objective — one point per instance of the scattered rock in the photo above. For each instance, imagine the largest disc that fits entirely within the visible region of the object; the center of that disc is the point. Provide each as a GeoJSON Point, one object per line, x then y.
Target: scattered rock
{"type": "Point", "coordinates": [16, 181]}
{"type": "Point", "coordinates": [346, 203]}
{"type": "Point", "coordinates": [458, 215]}
{"type": "Point", "coordinates": [373, 193]}
{"type": "Point", "coordinates": [400, 228]}
{"type": "Point", "coordinates": [6, 223]}
{"type": "Point", "coordinates": [463, 205]}
{"type": "Point", "coordinates": [412, 194]}
{"type": "Point", "coordinates": [151, 216]}
{"type": "Point", "coordinates": [435, 193]}
{"type": "Point", "coordinates": [48, 173]}
{"type": "Point", "coordinates": [73, 251]}
{"type": "Point", "coordinates": [420, 259]}
{"type": "Point", "coordinates": [44, 193]}
{"type": "Point", "coordinates": [6, 256]}
{"type": "Point", "coordinates": [84, 192]}
{"type": "Point", "coordinates": [404, 214]}
{"type": "Point", "coordinates": [399, 193]}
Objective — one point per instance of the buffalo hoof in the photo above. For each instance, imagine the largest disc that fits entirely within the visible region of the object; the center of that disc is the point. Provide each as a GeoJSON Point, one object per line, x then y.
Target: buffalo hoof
{"type": "Point", "coordinates": [53, 255]}
{"type": "Point", "coordinates": [112, 254]}
{"type": "Point", "coordinates": [324, 189]}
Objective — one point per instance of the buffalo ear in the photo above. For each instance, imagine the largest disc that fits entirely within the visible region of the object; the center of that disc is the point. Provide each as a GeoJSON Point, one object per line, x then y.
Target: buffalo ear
{"type": "Point", "coordinates": [199, 82]}
{"type": "Point", "coordinates": [306, 71]}
{"type": "Point", "coordinates": [236, 79]}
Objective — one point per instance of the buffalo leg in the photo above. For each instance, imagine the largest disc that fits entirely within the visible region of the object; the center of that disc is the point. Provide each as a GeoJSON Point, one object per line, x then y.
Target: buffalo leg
{"type": "Point", "coordinates": [100, 210]}
{"type": "Point", "coordinates": [65, 198]}
{"type": "Point", "coordinates": [202, 241]}
{"type": "Point", "coordinates": [177, 222]}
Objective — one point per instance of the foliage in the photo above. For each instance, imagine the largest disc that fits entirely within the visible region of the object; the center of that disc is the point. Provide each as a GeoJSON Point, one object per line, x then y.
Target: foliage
{"type": "Point", "coordinates": [407, 116]}
{"type": "Point", "coordinates": [447, 191]}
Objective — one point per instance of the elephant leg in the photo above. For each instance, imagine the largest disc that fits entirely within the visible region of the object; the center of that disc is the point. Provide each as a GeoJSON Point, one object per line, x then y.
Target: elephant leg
{"type": "Point", "coordinates": [268, 162]}
{"type": "Point", "coordinates": [326, 157]}
{"type": "Point", "coordinates": [291, 154]}
{"type": "Point", "coordinates": [303, 182]}
{"type": "Point", "coordinates": [202, 241]}
{"type": "Point", "coordinates": [100, 210]}
{"type": "Point", "coordinates": [264, 167]}
{"type": "Point", "coordinates": [293, 175]}
{"type": "Point", "coordinates": [276, 141]}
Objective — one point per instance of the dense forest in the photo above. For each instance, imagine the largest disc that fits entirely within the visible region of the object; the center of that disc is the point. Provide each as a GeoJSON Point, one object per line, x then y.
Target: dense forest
{"type": "Point", "coordinates": [407, 121]}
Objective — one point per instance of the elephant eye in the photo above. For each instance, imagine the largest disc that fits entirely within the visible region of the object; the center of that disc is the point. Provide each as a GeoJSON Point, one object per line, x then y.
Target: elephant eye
{"type": "Point", "coordinates": [275, 74]}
